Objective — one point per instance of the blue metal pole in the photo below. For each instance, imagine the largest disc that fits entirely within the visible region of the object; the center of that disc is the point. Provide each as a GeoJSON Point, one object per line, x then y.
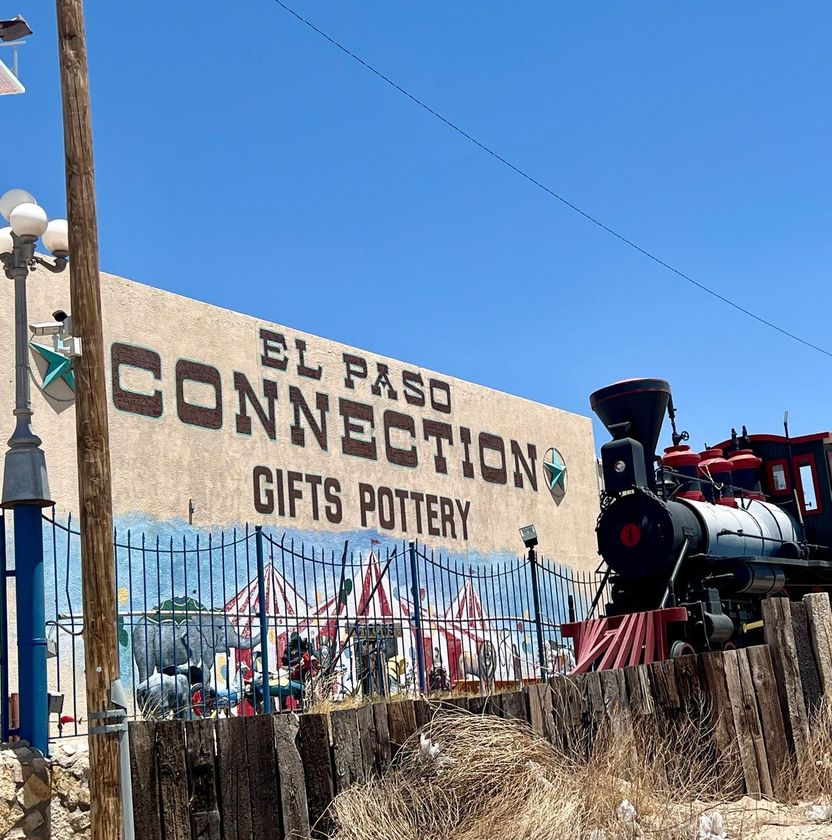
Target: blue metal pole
{"type": "Point", "coordinates": [31, 626]}
{"type": "Point", "coordinates": [26, 491]}
{"type": "Point", "coordinates": [4, 640]}
{"type": "Point", "coordinates": [264, 622]}
{"type": "Point", "coordinates": [417, 617]}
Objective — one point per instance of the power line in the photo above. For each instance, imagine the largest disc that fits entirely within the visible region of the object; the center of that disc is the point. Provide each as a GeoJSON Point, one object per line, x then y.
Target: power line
{"type": "Point", "coordinates": [523, 174]}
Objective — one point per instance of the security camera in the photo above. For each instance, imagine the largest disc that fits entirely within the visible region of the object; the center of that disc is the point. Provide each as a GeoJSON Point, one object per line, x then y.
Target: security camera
{"type": "Point", "coordinates": [50, 328]}
{"type": "Point", "coordinates": [60, 315]}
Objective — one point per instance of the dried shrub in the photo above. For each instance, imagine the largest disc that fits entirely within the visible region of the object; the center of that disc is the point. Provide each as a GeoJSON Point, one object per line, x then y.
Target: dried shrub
{"type": "Point", "coordinates": [471, 777]}
{"type": "Point", "coordinates": [811, 778]}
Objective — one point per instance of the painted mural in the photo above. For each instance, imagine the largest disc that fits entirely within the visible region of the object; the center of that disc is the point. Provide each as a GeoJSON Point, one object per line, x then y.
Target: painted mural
{"type": "Point", "coordinates": [200, 629]}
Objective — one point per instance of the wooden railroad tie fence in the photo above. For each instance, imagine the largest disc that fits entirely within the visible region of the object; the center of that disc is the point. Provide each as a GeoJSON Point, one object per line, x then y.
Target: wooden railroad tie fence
{"type": "Point", "coordinates": [274, 776]}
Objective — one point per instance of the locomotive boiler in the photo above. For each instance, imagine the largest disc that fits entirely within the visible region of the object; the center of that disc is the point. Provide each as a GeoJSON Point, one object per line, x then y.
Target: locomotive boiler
{"type": "Point", "coordinates": [692, 542]}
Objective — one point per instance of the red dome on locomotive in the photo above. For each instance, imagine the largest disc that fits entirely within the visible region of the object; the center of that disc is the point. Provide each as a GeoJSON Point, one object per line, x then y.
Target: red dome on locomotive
{"type": "Point", "coordinates": [718, 474]}
{"type": "Point", "coordinates": [684, 461]}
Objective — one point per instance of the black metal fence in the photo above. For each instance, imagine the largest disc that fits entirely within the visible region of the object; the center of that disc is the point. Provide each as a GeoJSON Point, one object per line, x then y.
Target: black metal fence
{"type": "Point", "coordinates": [248, 620]}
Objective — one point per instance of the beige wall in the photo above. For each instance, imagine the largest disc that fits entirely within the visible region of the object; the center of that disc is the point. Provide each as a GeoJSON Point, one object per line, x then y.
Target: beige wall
{"type": "Point", "coordinates": [159, 463]}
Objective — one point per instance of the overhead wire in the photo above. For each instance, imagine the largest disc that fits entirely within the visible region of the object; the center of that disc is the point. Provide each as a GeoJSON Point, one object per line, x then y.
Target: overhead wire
{"type": "Point", "coordinates": [548, 190]}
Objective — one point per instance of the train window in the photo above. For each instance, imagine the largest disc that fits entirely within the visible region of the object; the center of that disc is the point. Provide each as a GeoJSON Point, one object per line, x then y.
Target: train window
{"type": "Point", "coordinates": [778, 478]}
{"type": "Point", "coordinates": [779, 482]}
{"type": "Point", "coordinates": [807, 485]}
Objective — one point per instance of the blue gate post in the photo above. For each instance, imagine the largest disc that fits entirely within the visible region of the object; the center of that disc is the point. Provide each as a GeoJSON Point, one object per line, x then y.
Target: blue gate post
{"type": "Point", "coordinates": [4, 639]}
{"type": "Point", "coordinates": [31, 626]}
{"type": "Point", "coordinates": [264, 622]}
{"type": "Point", "coordinates": [541, 653]}
{"type": "Point", "coordinates": [417, 617]}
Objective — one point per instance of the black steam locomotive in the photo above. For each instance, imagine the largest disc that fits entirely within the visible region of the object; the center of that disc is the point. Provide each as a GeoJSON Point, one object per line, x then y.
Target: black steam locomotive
{"type": "Point", "coordinates": [714, 532]}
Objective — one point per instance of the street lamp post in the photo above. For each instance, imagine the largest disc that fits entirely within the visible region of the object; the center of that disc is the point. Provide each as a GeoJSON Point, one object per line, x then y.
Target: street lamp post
{"type": "Point", "coordinates": [25, 480]}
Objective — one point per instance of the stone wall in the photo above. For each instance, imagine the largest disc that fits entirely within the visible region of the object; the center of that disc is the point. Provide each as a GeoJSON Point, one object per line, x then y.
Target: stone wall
{"type": "Point", "coordinates": [25, 792]}
{"type": "Point", "coordinates": [70, 790]}
{"type": "Point", "coordinates": [44, 798]}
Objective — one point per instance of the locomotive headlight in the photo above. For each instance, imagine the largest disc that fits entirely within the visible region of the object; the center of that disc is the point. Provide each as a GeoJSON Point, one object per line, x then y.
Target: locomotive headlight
{"type": "Point", "coordinates": [619, 466]}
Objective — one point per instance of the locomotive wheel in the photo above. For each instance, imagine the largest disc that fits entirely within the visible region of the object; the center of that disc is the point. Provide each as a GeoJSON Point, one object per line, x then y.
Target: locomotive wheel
{"type": "Point", "coordinates": [729, 646]}
{"type": "Point", "coordinates": [681, 648]}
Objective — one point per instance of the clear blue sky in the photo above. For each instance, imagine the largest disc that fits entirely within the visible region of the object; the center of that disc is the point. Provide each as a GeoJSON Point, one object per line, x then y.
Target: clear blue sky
{"type": "Point", "coordinates": [264, 171]}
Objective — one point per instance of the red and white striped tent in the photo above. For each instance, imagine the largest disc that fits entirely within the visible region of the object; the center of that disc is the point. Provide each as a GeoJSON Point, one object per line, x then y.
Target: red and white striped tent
{"type": "Point", "coordinates": [467, 613]}
{"type": "Point", "coordinates": [371, 599]}
{"type": "Point", "coordinates": [286, 612]}
{"type": "Point", "coordinates": [467, 619]}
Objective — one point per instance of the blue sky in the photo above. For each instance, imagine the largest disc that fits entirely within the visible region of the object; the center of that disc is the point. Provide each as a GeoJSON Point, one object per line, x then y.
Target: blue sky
{"type": "Point", "coordinates": [264, 171]}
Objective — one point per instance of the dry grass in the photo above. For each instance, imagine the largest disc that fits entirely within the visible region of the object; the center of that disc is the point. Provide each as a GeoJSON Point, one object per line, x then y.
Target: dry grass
{"type": "Point", "coordinates": [471, 777]}
{"type": "Point", "coordinates": [811, 779]}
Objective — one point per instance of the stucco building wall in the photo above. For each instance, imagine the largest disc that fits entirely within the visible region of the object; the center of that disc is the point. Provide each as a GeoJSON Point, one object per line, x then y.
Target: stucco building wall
{"type": "Point", "coordinates": [408, 452]}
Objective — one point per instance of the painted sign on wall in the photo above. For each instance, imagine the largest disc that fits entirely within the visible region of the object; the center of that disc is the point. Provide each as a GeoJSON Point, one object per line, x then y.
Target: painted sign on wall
{"type": "Point", "coordinates": [255, 422]}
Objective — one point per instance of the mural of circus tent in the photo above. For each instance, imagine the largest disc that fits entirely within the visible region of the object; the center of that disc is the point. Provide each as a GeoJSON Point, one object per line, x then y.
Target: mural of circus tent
{"type": "Point", "coordinates": [483, 638]}
{"type": "Point", "coordinates": [368, 600]}
{"type": "Point", "coordinates": [286, 612]}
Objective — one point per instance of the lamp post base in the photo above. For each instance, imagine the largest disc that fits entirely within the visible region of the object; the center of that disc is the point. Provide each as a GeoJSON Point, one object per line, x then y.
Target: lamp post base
{"type": "Point", "coordinates": [25, 481]}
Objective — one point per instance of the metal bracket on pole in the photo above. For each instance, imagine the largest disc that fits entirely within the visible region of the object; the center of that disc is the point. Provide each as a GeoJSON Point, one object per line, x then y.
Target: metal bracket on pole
{"type": "Point", "coordinates": [118, 713]}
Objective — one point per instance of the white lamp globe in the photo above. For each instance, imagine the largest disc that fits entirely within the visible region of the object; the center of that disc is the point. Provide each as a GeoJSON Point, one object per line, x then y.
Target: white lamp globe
{"type": "Point", "coordinates": [28, 220]}
{"type": "Point", "coordinates": [56, 237]}
{"type": "Point", "coordinates": [11, 199]}
{"type": "Point", "coordinates": [6, 241]}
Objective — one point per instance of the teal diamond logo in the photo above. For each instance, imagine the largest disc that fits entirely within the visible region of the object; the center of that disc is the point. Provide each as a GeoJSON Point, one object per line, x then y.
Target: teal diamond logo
{"type": "Point", "coordinates": [554, 467]}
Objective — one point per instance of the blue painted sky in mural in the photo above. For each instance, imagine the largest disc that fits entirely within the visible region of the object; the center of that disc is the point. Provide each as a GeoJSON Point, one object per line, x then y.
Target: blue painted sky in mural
{"type": "Point", "coordinates": [694, 129]}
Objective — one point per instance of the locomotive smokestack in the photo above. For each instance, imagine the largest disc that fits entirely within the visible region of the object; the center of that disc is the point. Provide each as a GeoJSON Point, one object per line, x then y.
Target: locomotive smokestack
{"type": "Point", "coordinates": [634, 408]}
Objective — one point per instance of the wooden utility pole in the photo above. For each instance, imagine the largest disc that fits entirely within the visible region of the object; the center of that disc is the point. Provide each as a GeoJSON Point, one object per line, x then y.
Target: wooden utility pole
{"type": "Point", "coordinates": [94, 490]}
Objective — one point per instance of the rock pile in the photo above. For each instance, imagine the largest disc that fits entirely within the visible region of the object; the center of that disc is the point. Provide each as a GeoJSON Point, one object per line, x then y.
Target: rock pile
{"type": "Point", "coordinates": [25, 793]}
{"type": "Point", "coordinates": [70, 790]}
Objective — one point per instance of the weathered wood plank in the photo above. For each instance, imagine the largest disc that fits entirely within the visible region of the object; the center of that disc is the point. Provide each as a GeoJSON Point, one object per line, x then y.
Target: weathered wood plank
{"type": "Point", "coordinates": [313, 746]}
{"type": "Point", "coordinates": [477, 704]}
{"type": "Point", "coordinates": [639, 693]}
{"type": "Point", "coordinates": [173, 779]}
{"type": "Point", "coordinates": [809, 673]}
{"type": "Point", "coordinates": [688, 683]}
{"type": "Point", "coordinates": [617, 706]}
{"type": "Point", "coordinates": [513, 705]}
{"type": "Point", "coordinates": [401, 721]}
{"type": "Point", "coordinates": [463, 703]}
{"type": "Point", "coordinates": [291, 777]}
{"type": "Point", "coordinates": [265, 801]}
{"type": "Point", "coordinates": [779, 635]}
{"type": "Point", "coordinates": [771, 716]}
{"type": "Point", "coordinates": [233, 775]}
{"type": "Point", "coordinates": [367, 739]}
{"type": "Point", "coordinates": [381, 748]}
{"type": "Point", "coordinates": [348, 760]}
{"type": "Point", "coordinates": [423, 711]}
{"type": "Point", "coordinates": [819, 615]}
{"type": "Point", "coordinates": [747, 752]}
{"type": "Point", "coordinates": [752, 720]}
{"type": "Point", "coordinates": [568, 725]}
{"type": "Point", "coordinates": [204, 802]}
{"type": "Point", "coordinates": [722, 721]}
{"type": "Point", "coordinates": [540, 710]}
{"type": "Point", "coordinates": [663, 685]}
{"type": "Point", "coordinates": [594, 694]}
{"type": "Point", "coordinates": [146, 802]}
